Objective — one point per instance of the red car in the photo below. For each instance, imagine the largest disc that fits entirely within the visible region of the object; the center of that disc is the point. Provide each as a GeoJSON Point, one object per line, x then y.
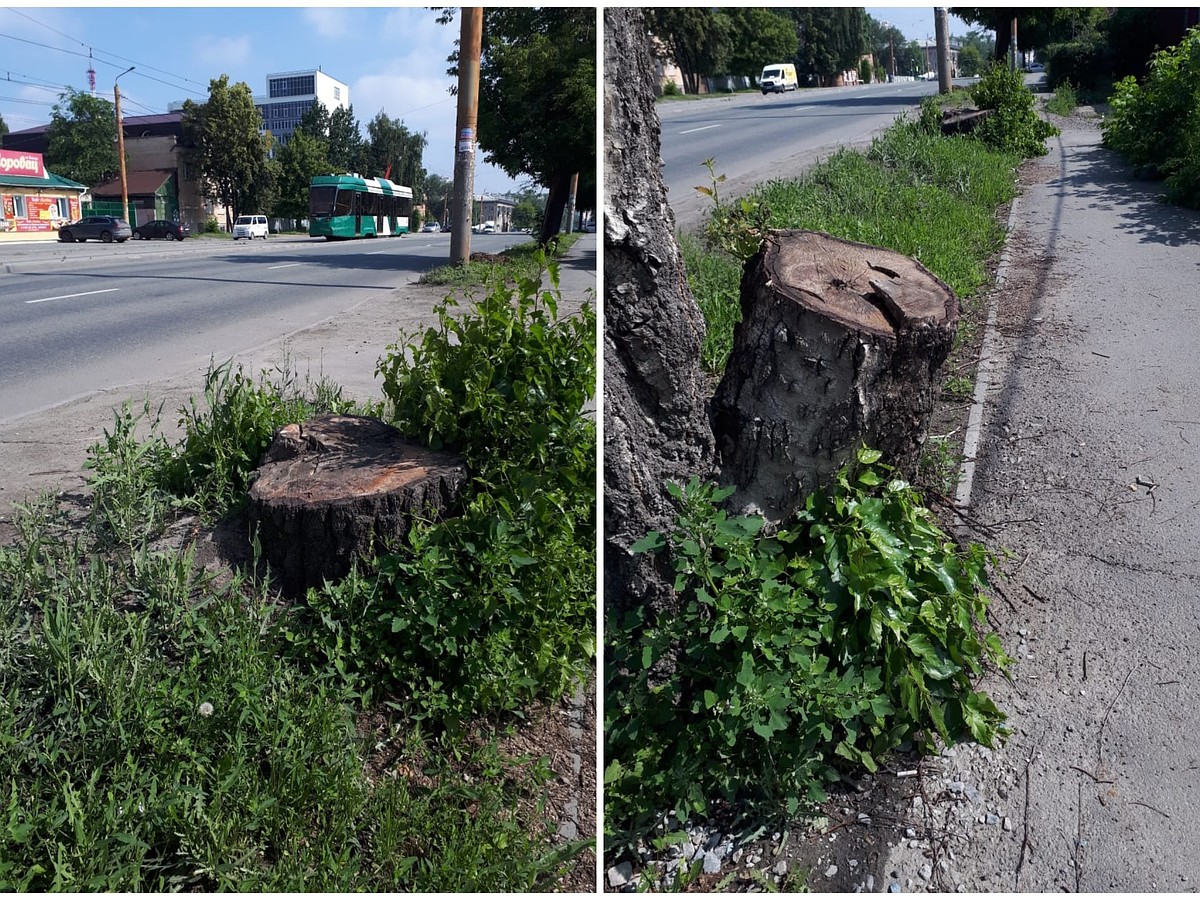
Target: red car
{"type": "Point", "coordinates": [161, 228]}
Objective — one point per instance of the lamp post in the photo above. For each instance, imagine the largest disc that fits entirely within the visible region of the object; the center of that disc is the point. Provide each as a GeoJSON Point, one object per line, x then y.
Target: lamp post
{"type": "Point", "coordinates": [121, 146]}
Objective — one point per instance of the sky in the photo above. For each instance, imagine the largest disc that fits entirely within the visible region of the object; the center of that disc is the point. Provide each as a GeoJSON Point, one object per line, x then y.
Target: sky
{"type": "Point", "coordinates": [916, 22]}
{"type": "Point", "coordinates": [392, 58]}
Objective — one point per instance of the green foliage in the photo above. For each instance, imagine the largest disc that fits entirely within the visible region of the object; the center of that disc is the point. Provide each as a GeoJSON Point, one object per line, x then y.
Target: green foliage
{"type": "Point", "coordinates": [697, 39]}
{"type": "Point", "coordinates": [914, 191]}
{"type": "Point", "coordinates": [794, 656]}
{"type": "Point", "coordinates": [212, 226]}
{"type": "Point", "coordinates": [155, 737]}
{"type": "Point", "coordinates": [223, 143]}
{"type": "Point", "coordinates": [832, 39]}
{"type": "Point", "coordinates": [1014, 126]}
{"type": "Point", "coordinates": [1085, 62]}
{"type": "Point", "coordinates": [81, 140]}
{"type": "Point", "coordinates": [1156, 125]}
{"type": "Point", "coordinates": [1064, 101]}
{"type": "Point", "coordinates": [757, 37]}
{"type": "Point", "coordinates": [137, 479]}
{"type": "Point", "coordinates": [495, 605]}
{"type": "Point", "coordinates": [391, 147]}
{"type": "Point", "coordinates": [302, 157]}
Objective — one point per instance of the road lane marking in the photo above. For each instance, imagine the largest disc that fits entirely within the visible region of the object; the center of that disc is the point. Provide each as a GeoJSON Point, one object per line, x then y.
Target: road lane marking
{"type": "Point", "coordinates": [69, 296]}
{"type": "Point", "coordinates": [285, 266]}
{"type": "Point", "coordinates": [703, 128]}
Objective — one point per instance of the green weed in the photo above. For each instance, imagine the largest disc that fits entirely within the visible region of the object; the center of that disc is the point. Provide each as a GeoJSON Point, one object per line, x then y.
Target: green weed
{"type": "Point", "coordinates": [792, 656]}
{"type": "Point", "coordinates": [1064, 101]}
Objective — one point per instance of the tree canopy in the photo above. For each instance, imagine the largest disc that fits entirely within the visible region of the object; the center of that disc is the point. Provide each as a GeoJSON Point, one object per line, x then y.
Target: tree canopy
{"type": "Point", "coordinates": [831, 39]}
{"type": "Point", "coordinates": [697, 39]}
{"type": "Point", "coordinates": [302, 157]}
{"type": "Point", "coordinates": [1037, 27]}
{"type": "Point", "coordinates": [537, 100]}
{"type": "Point", "coordinates": [394, 151]}
{"type": "Point", "coordinates": [222, 138]}
{"type": "Point", "coordinates": [758, 37]}
{"type": "Point", "coordinates": [3, 129]}
{"type": "Point", "coordinates": [81, 141]}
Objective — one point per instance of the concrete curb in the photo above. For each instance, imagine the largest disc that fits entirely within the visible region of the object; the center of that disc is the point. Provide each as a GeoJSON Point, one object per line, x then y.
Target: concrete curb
{"type": "Point", "coordinates": [984, 373]}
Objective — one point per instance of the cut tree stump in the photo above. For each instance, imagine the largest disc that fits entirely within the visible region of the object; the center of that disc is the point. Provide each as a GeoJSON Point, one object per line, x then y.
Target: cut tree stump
{"type": "Point", "coordinates": [337, 488]}
{"type": "Point", "coordinates": [839, 346]}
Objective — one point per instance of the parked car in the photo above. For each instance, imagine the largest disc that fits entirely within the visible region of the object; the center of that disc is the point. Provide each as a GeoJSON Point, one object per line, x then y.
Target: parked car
{"type": "Point", "coordinates": [98, 228]}
{"type": "Point", "coordinates": [431, 228]}
{"type": "Point", "coordinates": [1035, 67]}
{"type": "Point", "coordinates": [484, 227]}
{"type": "Point", "coordinates": [162, 228]}
{"type": "Point", "coordinates": [250, 227]}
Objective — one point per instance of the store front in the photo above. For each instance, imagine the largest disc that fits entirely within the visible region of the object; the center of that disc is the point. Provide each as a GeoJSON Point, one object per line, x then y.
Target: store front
{"type": "Point", "coordinates": [33, 201]}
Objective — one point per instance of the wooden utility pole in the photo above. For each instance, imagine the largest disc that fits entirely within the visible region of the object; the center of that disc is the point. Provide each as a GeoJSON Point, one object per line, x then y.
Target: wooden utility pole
{"type": "Point", "coordinates": [942, 30]}
{"type": "Point", "coordinates": [1012, 46]}
{"type": "Point", "coordinates": [469, 47]}
{"type": "Point", "coordinates": [121, 149]}
{"type": "Point", "coordinates": [571, 203]}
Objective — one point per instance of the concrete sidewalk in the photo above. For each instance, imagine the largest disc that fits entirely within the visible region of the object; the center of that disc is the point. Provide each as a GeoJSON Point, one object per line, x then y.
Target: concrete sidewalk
{"type": "Point", "coordinates": [1087, 478]}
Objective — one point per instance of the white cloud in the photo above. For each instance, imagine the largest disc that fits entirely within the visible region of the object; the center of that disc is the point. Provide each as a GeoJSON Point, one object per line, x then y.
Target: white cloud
{"type": "Point", "coordinates": [220, 54]}
{"type": "Point", "coordinates": [329, 22]}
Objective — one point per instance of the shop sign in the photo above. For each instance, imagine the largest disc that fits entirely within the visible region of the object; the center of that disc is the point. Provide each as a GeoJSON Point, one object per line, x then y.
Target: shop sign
{"type": "Point", "coordinates": [30, 165]}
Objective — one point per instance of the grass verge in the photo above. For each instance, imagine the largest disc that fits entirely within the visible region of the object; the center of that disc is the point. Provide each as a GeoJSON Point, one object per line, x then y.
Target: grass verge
{"type": "Point", "coordinates": [170, 724]}
{"type": "Point", "coordinates": [510, 265]}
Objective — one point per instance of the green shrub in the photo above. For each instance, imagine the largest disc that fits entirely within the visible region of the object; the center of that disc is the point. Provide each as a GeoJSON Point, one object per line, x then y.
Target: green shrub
{"type": "Point", "coordinates": [794, 656]}
{"type": "Point", "coordinates": [494, 605]}
{"type": "Point", "coordinates": [1014, 126]}
{"type": "Point", "coordinates": [1154, 125]}
{"type": "Point", "coordinates": [1064, 101]}
{"type": "Point", "coordinates": [1085, 63]}
{"type": "Point", "coordinates": [211, 226]}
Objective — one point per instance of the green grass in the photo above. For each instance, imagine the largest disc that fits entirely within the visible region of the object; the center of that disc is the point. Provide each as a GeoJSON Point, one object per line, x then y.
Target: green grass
{"type": "Point", "coordinates": [923, 195]}
{"type": "Point", "coordinates": [519, 261]}
{"type": "Point", "coordinates": [1064, 101]}
{"type": "Point", "coordinates": [165, 727]}
{"type": "Point", "coordinates": [156, 735]}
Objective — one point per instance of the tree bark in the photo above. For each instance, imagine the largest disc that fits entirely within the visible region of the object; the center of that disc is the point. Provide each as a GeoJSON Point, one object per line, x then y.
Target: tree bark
{"type": "Point", "coordinates": [839, 346]}
{"type": "Point", "coordinates": [340, 488]}
{"type": "Point", "coordinates": [656, 426]}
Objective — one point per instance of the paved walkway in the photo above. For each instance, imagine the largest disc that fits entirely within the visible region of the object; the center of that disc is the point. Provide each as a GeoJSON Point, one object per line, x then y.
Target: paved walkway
{"type": "Point", "coordinates": [1088, 477]}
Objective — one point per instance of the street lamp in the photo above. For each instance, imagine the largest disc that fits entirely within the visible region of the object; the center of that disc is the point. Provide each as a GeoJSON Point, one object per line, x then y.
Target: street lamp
{"type": "Point", "coordinates": [121, 145]}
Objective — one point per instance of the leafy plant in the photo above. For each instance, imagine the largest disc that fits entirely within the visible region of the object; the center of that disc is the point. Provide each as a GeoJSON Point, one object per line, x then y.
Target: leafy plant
{"type": "Point", "coordinates": [1064, 101]}
{"type": "Point", "coordinates": [494, 605]}
{"type": "Point", "coordinates": [795, 655]}
{"type": "Point", "coordinates": [1154, 125]}
{"type": "Point", "coordinates": [1014, 126]}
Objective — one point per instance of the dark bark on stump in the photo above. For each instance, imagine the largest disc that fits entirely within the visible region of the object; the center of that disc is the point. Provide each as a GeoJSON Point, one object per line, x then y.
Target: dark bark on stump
{"type": "Point", "coordinates": [839, 346]}
{"type": "Point", "coordinates": [656, 426]}
{"type": "Point", "coordinates": [338, 488]}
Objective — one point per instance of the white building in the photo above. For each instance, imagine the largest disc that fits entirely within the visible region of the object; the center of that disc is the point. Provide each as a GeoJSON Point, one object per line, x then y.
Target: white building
{"type": "Point", "coordinates": [291, 94]}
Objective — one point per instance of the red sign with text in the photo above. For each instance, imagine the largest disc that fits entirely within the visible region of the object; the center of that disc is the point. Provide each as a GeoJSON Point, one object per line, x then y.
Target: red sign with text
{"type": "Point", "coordinates": [13, 162]}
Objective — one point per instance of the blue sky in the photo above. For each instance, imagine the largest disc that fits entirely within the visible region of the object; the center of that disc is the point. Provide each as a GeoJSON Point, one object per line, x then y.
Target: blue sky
{"type": "Point", "coordinates": [916, 22]}
{"type": "Point", "coordinates": [393, 59]}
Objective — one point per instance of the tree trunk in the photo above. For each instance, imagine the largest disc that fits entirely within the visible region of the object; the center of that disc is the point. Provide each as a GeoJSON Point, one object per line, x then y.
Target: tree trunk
{"type": "Point", "coordinates": [557, 193]}
{"type": "Point", "coordinates": [339, 488]}
{"type": "Point", "coordinates": [839, 346]}
{"type": "Point", "coordinates": [656, 426]}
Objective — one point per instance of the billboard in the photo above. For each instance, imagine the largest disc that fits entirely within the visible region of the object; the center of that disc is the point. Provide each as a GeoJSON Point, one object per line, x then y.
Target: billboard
{"type": "Point", "coordinates": [14, 162]}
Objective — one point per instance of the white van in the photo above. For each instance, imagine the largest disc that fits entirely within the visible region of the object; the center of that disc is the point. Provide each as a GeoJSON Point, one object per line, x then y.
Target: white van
{"type": "Point", "coordinates": [778, 77]}
{"type": "Point", "coordinates": [250, 227]}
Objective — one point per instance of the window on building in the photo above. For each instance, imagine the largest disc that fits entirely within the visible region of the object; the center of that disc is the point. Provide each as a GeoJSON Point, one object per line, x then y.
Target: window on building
{"type": "Point", "coordinates": [337, 94]}
{"type": "Point", "coordinates": [19, 205]}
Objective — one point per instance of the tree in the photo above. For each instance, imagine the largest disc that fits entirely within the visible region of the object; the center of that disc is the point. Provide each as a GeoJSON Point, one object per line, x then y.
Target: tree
{"type": "Point", "coordinates": [1037, 27]}
{"type": "Point", "coordinates": [298, 161]}
{"type": "Point", "coordinates": [696, 38]}
{"type": "Point", "coordinates": [393, 151]}
{"type": "Point", "coordinates": [886, 44]}
{"type": "Point", "coordinates": [345, 147]}
{"type": "Point", "coordinates": [831, 40]}
{"type": "Point", "coordinates": [81, 140]}
{"type": "Point", "coordinates": [656, 426]}
{"type": "Point", "coordinates": [223, 140]}
{"type": "Point", "coordinates": [758, 37]}
{"type": "Point", "coordinates": [3, 130]}
{"type": "Point", "coordinates": [438, 192]}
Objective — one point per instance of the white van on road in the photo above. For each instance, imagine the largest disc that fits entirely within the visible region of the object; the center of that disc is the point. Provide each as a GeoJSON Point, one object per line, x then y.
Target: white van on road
{"type": "Point", "coordinates": [250, 227]}
{"type": "Point", "coordinates": [778, 77]}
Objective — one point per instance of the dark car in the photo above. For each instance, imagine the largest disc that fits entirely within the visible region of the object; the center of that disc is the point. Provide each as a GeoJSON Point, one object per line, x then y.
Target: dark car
{"type": "Point", "coordinates": [162, 228]}
{"type": "Point", "coordinates": [99, 228]}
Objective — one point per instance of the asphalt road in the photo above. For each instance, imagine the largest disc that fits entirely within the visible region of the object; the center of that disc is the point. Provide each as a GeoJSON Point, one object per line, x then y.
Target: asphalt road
{"type": "Point", "coordinates": [754, 138]}
{"type": "Point", "coordinates": [78, 318]}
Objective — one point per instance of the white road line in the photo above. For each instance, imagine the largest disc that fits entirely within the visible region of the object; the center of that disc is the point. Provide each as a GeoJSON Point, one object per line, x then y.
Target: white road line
{"type": "Point", "coordinates": [702, 128]}
{"type": "Point", "coordinates": [285, 266]}
{"type": "Point", "coordinates": [69, 296]}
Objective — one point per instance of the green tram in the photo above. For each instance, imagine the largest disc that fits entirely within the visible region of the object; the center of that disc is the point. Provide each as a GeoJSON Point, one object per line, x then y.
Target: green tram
{"type": "Point", "coordinates": [350, 206]}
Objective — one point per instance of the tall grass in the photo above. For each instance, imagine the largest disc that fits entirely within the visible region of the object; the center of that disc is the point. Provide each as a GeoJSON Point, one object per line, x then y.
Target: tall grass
{"type": "Point", "coordinates": [923, 195]}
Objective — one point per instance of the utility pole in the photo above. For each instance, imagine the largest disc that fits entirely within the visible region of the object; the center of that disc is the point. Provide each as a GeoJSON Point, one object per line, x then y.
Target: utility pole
{"type": "Point", "coordinates": [571, 203]}
{"type": "Point", "coordinates": [470, 45]}
{"type": "Point", "coordinates": [1012, 46]}
{"type": "Point", "coordinates": [121, 148]}
{"type": "Point", "coordinates": [942, 30]}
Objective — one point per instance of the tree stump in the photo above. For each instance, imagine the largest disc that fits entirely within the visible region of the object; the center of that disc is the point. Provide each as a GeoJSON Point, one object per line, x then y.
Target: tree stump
{"type": "Point", "coordinates": [337, 488]}
{"type": "Point", "coordinates": [839, 346]}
